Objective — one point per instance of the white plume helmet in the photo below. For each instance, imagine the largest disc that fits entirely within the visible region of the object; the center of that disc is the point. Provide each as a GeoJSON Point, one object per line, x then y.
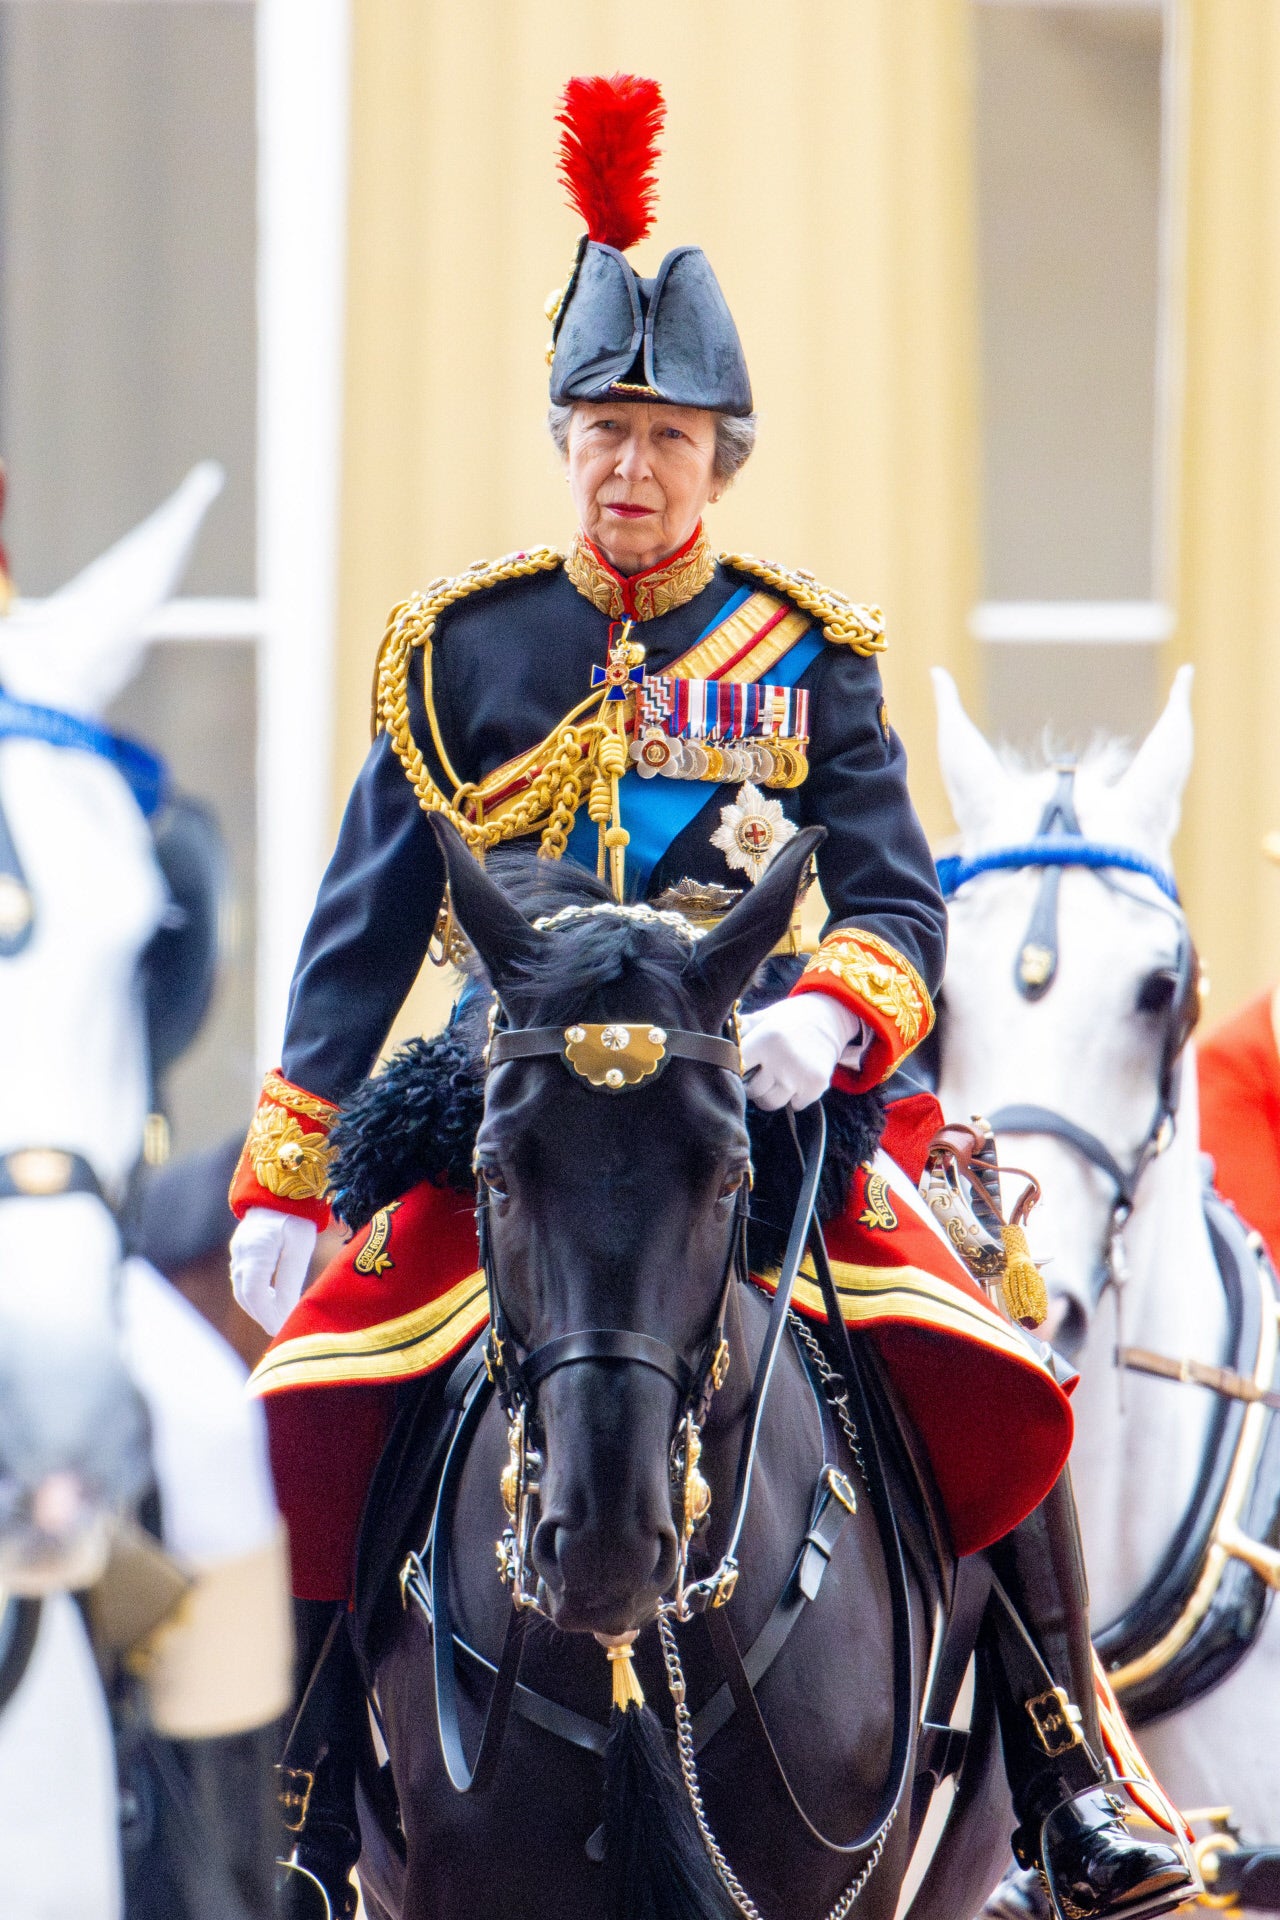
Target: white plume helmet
{"type": "Point", "coordinates": [77, 648]}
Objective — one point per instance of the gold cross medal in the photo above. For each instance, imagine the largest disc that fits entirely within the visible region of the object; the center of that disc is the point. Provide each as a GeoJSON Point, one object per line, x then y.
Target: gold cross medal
{"type": "Point", "coordinates": [752, 831]}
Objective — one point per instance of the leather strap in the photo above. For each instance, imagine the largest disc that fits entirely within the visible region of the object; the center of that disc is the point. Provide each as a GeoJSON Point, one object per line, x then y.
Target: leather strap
{"type": "Point", "coordinates": [1030, 1119]}
{"type": "Point", "coordinates": [536, 1043]}
{"type": "Point", "coordinates": [19, 1623]}
{"type": "Point", "coordinates": [811, 1158]}
{"type": "Point", "coordinates": [801, 1589]}
{"type": "Point", "coordinates": [723, 1639]}
{"type": "Point", "coordinates": [612, 1343]}
{"type": "Point", "coordinates": [1252, 1874]}
{"type": "Point", "coordinates": [46, 1173]}
{"type": "Point", "coordinates": [463, 1777]}
{"type": "Point", "coordinates": [1197, 1373]}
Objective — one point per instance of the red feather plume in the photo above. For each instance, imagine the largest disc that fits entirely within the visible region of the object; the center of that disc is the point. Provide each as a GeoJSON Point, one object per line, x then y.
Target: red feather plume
{"type": "Point", "coordinates": [607, 154]}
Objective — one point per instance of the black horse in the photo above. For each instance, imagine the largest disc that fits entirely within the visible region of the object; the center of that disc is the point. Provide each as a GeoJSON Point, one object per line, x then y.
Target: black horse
{"type": "Point", "coordinates": [623, 1211]}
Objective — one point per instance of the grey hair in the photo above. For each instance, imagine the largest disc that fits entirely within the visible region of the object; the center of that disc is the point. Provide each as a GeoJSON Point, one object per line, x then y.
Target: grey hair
{"type": "Point", "coordinates": [735, 438]}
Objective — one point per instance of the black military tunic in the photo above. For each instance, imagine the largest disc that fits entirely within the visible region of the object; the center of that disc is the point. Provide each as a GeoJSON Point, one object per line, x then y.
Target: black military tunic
{"type": "Point", "coordinates": [509, 662]}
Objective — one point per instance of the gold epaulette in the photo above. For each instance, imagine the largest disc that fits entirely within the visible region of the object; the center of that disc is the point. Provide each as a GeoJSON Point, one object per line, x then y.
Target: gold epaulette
{"type": "Point", "coordinates": [844, 623]}
{"type": "Point", "coordinates": [413, 623]}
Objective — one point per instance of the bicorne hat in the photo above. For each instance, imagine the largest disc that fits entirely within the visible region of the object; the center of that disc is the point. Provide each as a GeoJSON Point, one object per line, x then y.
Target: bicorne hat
{"type": "Point", "coordinates": [615, 333]}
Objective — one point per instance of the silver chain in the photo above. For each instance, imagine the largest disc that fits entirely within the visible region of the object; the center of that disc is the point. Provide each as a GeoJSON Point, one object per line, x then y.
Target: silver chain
{"type": "Point", "coordinates": [689, 1770]}
{"type": "Point", "coordinates": [834, 1388]}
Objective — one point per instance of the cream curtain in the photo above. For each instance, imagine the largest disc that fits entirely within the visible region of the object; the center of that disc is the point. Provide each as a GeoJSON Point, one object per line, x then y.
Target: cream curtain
{"type": "Point", "coordinates": [1225, 507]}
{"type": "Point", "coordinates": [820, 152]}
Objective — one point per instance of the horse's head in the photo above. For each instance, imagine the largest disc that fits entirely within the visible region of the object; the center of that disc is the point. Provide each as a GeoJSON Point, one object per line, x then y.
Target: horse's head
{"type": "Point", "coordinates": [612, 1208]}
{"type": "Point", "coordinates": [1069, 989]}
{"type": "Point", "coordinates": [82, 897]}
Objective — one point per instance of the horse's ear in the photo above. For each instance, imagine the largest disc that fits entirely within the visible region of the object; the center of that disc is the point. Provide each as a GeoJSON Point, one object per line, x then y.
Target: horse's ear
{"type": "Point", "coordinates": [497, 930]}
{"type": "Point", "coordinates": [725, 960]}
{"type": "Point", "coordinates": [1152, 784]}
{"type": "Point", "coordinates": [976, 782]}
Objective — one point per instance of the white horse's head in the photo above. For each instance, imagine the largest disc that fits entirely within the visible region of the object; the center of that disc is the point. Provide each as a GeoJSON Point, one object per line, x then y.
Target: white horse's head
{"type": "Point", "coordinates": [82, 897]}
{"type": "Point", "coordinates": [1072, 1006]}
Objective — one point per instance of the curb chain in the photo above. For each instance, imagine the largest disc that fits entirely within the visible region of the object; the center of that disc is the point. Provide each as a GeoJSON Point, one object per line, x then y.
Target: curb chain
{"type": "Point", "coordinates": [837, 1393]}
{"type": "Point", "coordinates": [689, 1771]}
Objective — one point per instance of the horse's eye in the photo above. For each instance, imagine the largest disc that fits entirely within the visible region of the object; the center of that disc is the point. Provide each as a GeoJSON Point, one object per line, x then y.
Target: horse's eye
{"type": "Point", "coordinates": [491, 1174]}
{"type": "Point", "coordinates": [732, 1181]}
{"type": "Point", "coordinates": [1155, 995]}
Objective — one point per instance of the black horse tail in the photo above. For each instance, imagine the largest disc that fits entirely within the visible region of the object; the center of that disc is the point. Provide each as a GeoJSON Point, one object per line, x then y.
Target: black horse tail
{"type": "Point", "coordinates": [655, 1865]}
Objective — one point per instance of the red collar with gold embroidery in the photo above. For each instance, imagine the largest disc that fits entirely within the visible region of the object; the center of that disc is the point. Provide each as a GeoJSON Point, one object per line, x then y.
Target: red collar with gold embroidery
{"type": "Point", "coordinates": [641, 596]}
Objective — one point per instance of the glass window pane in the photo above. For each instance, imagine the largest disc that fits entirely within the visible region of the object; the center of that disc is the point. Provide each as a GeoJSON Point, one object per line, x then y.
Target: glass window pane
{"type": "Point", "coordinates": [1069, 216]}
{"type": "Point", "coordinates": [127, 276]}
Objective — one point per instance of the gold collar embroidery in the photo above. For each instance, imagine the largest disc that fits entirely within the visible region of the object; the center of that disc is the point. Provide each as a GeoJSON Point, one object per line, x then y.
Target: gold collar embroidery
{"type": "Point", "coordinates": [641, 596]}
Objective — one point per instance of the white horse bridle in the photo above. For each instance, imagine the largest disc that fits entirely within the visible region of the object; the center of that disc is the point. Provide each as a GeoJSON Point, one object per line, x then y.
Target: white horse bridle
{"type": "Point", "coordinates": [1060, 842]}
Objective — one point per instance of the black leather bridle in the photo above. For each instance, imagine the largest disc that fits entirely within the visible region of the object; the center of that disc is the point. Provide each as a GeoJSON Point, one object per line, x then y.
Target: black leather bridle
{"type": "Point", "coordinates": [516, 1380]}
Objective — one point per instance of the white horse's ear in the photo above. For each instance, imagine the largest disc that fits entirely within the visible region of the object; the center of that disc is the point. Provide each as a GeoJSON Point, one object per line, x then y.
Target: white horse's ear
{"type": "Point", "coordinates": [976, 782]}
{"type": "Point", "coordinates": [1151, 786]}
{"type": "Point", "coordinates": [77, 648]}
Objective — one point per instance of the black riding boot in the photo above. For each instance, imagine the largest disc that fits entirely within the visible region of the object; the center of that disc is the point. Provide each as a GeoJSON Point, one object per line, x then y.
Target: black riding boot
{"type": "Point", "coordinates": [1052, 1741]}
{"type": "Point", "coordinates": [318, 1772]}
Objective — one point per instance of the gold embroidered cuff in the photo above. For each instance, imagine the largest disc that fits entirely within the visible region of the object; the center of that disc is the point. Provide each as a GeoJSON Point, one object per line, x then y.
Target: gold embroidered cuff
{"type": "Point", "coordinates": [285, 1162]}
{"type": "Point", "coordinates": [882, 987]}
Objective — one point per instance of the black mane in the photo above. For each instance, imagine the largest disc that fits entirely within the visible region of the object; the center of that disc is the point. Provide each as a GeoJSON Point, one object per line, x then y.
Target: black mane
{"type": "Point", "coordinates": [418, 1119]}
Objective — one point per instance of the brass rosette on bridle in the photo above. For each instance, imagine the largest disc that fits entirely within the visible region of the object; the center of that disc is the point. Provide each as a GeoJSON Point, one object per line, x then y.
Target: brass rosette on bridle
{"type": "Point", "coordinates": [613, 1056]}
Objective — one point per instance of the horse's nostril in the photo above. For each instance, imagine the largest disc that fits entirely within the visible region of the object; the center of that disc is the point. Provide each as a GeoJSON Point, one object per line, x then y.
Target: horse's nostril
{"type": "Point", "coordinates": [545, 1547]}
{"type": "Point", "coordinates": [664, 1565]}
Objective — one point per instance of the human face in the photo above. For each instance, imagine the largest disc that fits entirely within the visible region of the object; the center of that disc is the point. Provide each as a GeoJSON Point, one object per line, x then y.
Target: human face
{"type": "Point", "coordinates": [640, 476]}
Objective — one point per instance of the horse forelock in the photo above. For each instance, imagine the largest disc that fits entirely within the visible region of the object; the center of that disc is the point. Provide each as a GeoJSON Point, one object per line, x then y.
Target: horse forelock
{"type": "Point", "coordinates": [590, 964]}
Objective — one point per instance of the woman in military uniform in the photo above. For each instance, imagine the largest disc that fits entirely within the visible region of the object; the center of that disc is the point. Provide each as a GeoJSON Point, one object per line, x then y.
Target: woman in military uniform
{"type": "Point", "coordinates": [670, 717]}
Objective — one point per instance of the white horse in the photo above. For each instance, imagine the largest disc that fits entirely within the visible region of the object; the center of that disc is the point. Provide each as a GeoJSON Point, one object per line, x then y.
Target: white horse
{"type": "Point", "coordinates": [107, 1377]}
{"type": "Point", "coordinates": [1073, 1008]}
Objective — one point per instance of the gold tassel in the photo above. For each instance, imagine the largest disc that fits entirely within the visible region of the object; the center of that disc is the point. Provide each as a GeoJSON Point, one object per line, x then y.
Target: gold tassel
{"type": "Point", "coordinates": [627, 1691]}
{"type": "Point", "coordinates": [1025, 1293]}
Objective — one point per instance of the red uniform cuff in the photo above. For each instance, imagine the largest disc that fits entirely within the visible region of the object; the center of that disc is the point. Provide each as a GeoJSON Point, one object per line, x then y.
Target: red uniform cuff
{"type": "Point", "coordinates": [879, 984]}
{"type": "Point", "coordinates": [284, 1163]}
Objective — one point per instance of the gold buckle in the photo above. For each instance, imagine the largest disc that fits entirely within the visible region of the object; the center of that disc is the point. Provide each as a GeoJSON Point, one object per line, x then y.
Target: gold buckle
{"type": "Point", "coordinates": [838, 1486]}
{"type": "Point", "coordinates": [294, 1794]}
{"type": "Point", "coordinates": [1057, 1722]}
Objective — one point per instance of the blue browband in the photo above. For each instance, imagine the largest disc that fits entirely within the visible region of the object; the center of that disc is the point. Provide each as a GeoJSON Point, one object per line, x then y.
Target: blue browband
{"type": "Point", "coordinates": [145, 772]}
{"type": "Point", "coordinates": [955, 872]}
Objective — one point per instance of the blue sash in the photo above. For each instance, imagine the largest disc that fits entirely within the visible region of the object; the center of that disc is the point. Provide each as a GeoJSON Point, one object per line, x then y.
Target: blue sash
{"type": "Point", "coordinates": [656, 812]}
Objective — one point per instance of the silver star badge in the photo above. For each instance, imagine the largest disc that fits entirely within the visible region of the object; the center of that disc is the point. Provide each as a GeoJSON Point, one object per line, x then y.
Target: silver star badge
{"type": "Point", "coordinates": [752, 831]}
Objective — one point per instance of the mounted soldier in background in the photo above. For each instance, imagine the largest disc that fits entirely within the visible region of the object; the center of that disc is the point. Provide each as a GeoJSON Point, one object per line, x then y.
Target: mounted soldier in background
{"type": "Point", "coordinates": [670, 718]}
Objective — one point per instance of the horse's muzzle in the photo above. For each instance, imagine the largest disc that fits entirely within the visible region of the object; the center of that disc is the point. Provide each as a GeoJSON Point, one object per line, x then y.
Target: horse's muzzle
{"type": "Point", "coordinates": [604, 1579]}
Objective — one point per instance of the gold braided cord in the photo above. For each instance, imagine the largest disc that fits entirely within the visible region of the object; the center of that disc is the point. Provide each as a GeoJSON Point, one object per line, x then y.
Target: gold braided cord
{"type": "Point", "coordinates": [413, 623]}
{"type": "Point", "coordinates": [276, 1087]}
{"type": "Point", "coordinates": [844, 623]}
{"type": "Point", "coordinates": [552, 798]}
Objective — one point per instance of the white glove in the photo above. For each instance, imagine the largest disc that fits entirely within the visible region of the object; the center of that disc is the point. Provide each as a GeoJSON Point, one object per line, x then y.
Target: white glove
{"type": "Point", "coordinates": [269, 1247]}
{"type": "Point", "coordinates": [796, 1045]}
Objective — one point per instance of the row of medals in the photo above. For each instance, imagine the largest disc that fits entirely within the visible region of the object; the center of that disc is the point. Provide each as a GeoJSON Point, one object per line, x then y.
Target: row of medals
{"type": "Point", "coordinates": [778, 764]}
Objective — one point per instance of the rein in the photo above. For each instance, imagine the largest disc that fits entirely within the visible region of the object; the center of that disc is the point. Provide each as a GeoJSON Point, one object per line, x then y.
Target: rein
{"type": "Point", "coordinates": [1059, 842]}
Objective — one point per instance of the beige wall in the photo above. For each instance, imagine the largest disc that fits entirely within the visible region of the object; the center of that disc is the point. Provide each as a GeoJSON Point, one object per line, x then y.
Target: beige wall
{"type": "Point", "coordinates": [820, 153]}
{"type": "Point", "coordinates": [1227, 504]}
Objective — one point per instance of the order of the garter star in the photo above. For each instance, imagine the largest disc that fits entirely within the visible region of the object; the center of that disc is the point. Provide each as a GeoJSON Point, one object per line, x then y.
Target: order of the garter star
{"type": "Point", "coordinates": [752, 831]}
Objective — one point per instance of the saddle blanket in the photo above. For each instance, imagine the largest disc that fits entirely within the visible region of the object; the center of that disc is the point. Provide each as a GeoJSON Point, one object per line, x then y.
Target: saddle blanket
{"type": "Point", "coordinates": [406, 1295]}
